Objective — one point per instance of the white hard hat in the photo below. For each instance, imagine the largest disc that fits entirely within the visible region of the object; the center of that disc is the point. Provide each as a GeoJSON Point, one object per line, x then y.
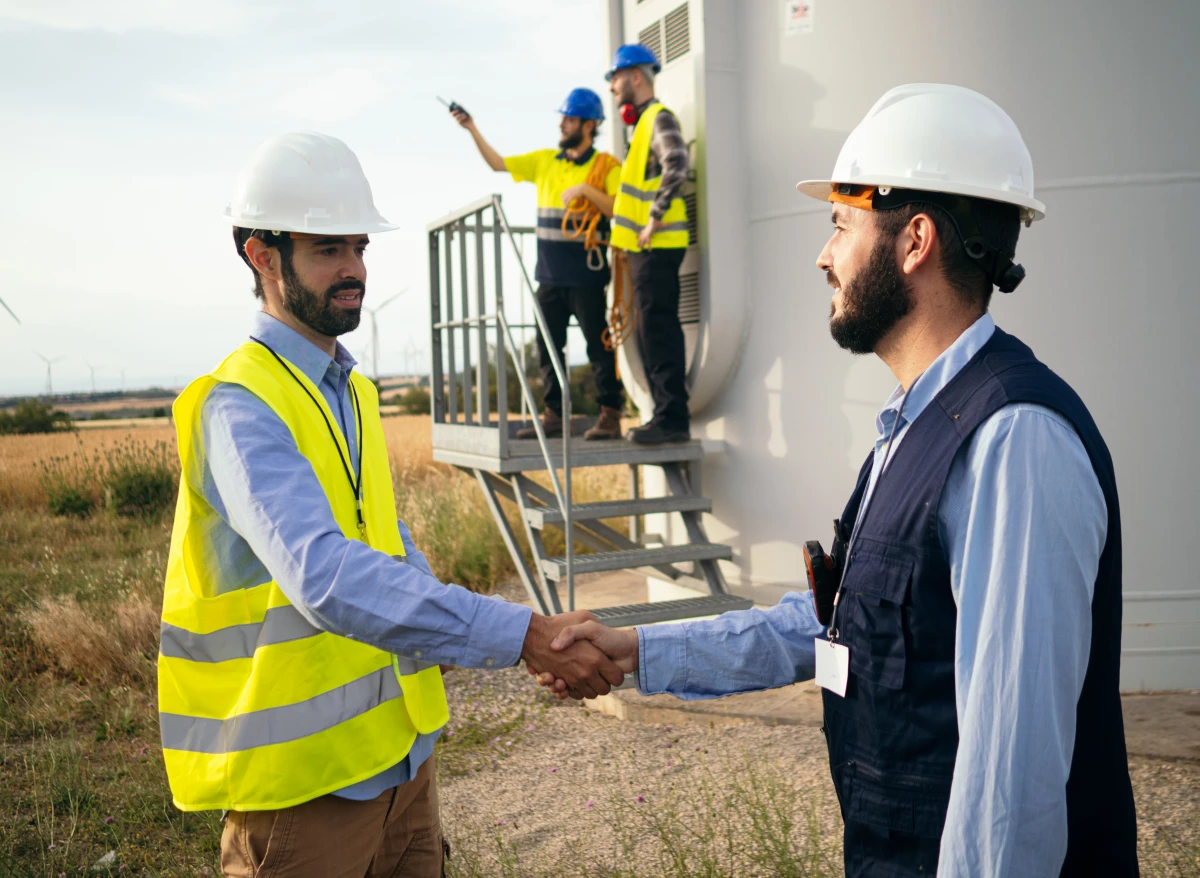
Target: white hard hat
{"type": "Point", "coordinates": [937, 138]}
{"type": "Point", "coordinates": [304, 182]}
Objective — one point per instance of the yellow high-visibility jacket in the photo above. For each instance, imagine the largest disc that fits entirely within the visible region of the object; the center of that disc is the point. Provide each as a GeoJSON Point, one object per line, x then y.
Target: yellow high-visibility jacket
{"type": "Point", "coordinates": [631, 210]}
{"type": "Point", "coordinates": [258, 708]}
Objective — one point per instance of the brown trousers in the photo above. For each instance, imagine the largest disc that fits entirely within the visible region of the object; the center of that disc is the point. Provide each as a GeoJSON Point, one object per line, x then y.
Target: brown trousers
{"type": "Point", "coordinates": [396, 834]}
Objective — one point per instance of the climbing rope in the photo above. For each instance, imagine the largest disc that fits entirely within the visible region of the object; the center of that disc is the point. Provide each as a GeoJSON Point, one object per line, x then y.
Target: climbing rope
{"type": "Point", "coordinates": [582, 220]}
{"type": "Point", "coordinates": [620, 315]}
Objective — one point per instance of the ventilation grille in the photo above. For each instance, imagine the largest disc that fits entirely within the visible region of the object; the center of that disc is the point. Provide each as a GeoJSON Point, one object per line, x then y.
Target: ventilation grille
{"type": "Point", "coordinates": [689, 298]}
{"type": "Point", "coordinates": [651, 38]}
{"type": "Point", "coordinates": [678, 38]}
{"type": "Point", "coordinates": [689, 202]}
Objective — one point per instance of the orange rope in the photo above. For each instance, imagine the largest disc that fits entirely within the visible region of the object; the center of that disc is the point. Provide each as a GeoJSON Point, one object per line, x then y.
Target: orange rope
{"type": "Point", "coordinates": [620, 315]}
{"type": "Point", "coordinates": [581, 215]}
{"type": "Point", "coordinates": [582, 219]}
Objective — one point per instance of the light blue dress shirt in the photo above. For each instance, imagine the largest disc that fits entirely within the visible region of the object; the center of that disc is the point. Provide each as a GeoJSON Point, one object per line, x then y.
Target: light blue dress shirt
{"type": "Point", "coordinates": [278, 525]}
{"type": "Point", "coordinates": [1023, 521]}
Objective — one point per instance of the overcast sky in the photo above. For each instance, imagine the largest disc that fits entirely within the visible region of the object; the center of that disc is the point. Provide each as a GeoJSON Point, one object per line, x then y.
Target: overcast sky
{"type": "Point", "coordinates": [125, 122]}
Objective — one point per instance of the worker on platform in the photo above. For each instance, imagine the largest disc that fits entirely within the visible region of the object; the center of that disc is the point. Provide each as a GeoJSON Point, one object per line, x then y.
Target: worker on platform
{"type": "Point", "coordinates": [573, 182]}
{"type": "Point", "coordinates": [298, 678]}
{"type": "Point", "coordinates": [969, 643]}
{"type": "Point", "coordinates": [650, 224]}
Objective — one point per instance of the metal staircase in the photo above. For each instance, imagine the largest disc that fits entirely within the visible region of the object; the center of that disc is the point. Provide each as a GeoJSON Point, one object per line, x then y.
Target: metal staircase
{"type": "Point", "coordinates": [473, 430]}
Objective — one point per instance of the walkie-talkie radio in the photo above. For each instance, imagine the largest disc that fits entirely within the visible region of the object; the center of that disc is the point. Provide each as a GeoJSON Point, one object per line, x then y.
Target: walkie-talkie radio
{"type": "Point", "coordinates": [825, 571]}
{"type": "Point", "coordinates": [452, 106]}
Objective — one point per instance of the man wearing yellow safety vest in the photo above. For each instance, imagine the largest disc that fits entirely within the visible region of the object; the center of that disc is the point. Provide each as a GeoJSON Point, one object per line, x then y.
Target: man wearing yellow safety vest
{"type": "Point", "coordinates": [650, 222]}
{"type": "Point", "coordinates": [572, 268]}
{"type": "Point", "coordinates": [302, 632]}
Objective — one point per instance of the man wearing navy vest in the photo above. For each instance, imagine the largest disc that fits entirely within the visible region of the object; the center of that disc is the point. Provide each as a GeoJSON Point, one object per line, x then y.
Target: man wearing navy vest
{"type": "Point", "coordinates": [970, 661]}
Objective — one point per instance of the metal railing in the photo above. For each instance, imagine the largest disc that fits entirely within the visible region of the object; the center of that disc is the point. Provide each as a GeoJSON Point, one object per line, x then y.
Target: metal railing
{"type": "Point", "coordinates": [482, 316]}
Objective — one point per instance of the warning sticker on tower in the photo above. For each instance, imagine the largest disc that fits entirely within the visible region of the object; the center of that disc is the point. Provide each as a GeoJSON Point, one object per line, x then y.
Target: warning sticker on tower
{"type": "Point", "coordinates": [798, 16]}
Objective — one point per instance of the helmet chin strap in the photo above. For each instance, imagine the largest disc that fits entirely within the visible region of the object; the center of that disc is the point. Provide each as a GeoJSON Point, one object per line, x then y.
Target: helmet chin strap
{"type": "Point", "coordinates": [1000, 270]}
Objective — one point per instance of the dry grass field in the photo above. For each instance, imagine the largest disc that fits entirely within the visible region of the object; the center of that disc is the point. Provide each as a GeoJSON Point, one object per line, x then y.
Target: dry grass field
{"type": "Point", "coordinates": [530, 788]}
{"type": "Point", "coordinates": [80, 596]}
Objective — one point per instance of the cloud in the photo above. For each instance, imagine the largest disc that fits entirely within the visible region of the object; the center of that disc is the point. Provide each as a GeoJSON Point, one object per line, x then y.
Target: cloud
{"type": "Point", "coordinates": [123, 16]}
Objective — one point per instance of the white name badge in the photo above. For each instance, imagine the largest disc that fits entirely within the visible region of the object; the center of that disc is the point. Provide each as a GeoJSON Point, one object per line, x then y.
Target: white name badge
{"type": "Point", "coordinates": [833, 666]}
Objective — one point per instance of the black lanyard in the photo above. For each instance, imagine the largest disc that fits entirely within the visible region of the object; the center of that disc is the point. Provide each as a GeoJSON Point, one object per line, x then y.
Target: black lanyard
{"type": "Point", "coordinates": [355, 484]}
{"type": "Point", "coordinates": [832, 633]}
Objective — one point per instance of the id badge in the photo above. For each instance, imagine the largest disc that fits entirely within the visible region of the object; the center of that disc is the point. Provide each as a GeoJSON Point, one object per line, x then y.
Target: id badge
{"type": "Point", "coordinates": [833, 666]}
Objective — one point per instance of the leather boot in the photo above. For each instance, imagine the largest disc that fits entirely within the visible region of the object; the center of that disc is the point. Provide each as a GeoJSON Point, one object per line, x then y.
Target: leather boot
{"type": "Point", "coordinates": [607, 427]}
{"type": "Point", "coordinates": [552, 424]}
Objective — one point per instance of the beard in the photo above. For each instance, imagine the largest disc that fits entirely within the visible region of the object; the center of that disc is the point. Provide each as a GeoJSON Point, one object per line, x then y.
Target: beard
{"type": "Point", "coordinates": [872, 303]}
{"type": "Point", "coordinates": [624, 93]}
{"type": "Point", "coordinates": [316, 310]}
{"type": "Point", "coordinates": [570, 141]}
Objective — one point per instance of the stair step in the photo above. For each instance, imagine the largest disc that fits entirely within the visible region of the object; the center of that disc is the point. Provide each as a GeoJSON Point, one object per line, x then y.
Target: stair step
{"type": "Point", "coordinates": [669, 611]}
{"type": "Point", "coordinates": [552, 515]}
{"type": "Point", "coordinates": [556, 568]}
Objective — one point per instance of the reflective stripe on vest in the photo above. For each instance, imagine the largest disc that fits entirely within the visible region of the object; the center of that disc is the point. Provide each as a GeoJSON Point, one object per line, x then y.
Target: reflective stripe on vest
{"type": "Point", "coordinates": [631, 209]}
{"type": "Point", "coordinates": [278, 725]}
{"type": "Point", "coordinates": [246, 682]}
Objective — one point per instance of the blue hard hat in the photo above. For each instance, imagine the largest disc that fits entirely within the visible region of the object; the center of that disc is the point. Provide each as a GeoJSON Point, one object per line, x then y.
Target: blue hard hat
{"type": "Point", "coordinates": [632, 55]}
{"type": "Point", "coordinates": [583, 103]}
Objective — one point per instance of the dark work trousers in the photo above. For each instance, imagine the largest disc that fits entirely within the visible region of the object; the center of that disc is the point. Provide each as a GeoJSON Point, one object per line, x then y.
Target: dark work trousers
{"type": "Point", "coordinates": [655, 278]}
{"type": "Point", "coordinates": [590, 308]}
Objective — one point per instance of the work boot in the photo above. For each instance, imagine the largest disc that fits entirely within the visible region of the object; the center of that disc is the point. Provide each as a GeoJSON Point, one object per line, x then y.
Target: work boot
{"type": "Point", "coordinates": [551, 423]}
{"type": "Point", "coordinates": [608, 427]}
{"type": "Point", "coordinates": [656, 434]}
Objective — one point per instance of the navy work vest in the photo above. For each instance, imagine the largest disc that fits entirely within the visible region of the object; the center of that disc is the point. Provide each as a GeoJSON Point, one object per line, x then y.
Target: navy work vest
{"type": "Point", "coordinates": [894, 737]}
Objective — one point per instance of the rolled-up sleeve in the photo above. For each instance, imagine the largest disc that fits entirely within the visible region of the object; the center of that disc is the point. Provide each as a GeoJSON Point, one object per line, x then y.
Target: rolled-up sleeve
{"type": "Point", "coordinates": [270, 496]}
{"type": "Point", "coordinates": [741, 651]}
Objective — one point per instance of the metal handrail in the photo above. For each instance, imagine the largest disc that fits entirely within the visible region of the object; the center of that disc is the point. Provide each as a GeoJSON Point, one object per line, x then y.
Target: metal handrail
{"type": "Point", "coordinates": [446, 326]}
{"type": "Point", "coordinates": [563, 496]}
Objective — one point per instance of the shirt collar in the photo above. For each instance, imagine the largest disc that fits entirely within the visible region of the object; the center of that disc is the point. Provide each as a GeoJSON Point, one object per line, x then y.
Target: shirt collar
{"type": "Point", "coordinates": [582, 160]}
{"type": "Point", "coordinates": [299, 351]}
{"type": "Point", "coordinates": [930, 382]}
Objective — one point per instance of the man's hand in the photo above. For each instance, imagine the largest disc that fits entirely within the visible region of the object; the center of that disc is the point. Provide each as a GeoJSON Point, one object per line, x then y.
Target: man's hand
{"type": "Point", "coordinates": [573, 192]}
{"type": "Point", "coordinates": [585, 671]}
{"type": "Point", "coordinates": [647, 232]}
{"type": "Point", "coordinates": [619, 644]}
{"type": "Point", "coordinates": [463, 118]}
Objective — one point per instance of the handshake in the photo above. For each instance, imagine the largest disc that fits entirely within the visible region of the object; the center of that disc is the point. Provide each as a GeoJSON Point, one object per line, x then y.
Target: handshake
{"type": "Point", "coordinates": [577, 657]}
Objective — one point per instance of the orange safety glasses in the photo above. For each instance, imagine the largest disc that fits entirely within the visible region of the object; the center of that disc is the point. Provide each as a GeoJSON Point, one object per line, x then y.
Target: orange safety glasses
{"type": "Point", "coordinates": [862, 197]}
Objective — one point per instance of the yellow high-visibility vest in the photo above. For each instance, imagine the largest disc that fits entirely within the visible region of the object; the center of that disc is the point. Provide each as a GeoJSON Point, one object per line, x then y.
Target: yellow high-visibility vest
{"type": "Point", "coordinates": [631, 210]}
{"type": "Point", "coordinates": [258, 708]}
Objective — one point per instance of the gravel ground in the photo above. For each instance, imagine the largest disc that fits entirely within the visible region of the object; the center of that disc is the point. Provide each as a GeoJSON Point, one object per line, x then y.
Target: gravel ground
{"type": "Point", "coordinates": [534, 787]}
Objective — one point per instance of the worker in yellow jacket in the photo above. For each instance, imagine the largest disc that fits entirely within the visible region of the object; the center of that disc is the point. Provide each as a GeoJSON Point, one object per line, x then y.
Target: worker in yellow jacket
{"type": "Point", "coordinates": [302, 631]}
{"type": "Point", "coordinates": [650, 223]}
{"type": "Point", "coordinates": [572, 272]}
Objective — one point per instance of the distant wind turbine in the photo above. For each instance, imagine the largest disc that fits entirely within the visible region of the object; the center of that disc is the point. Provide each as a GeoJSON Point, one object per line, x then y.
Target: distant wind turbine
{"type": "Point", "coordinates": [10, 311]}
{"type": "Point", "coordinates": [371, 312]}
{"type": "Point", "coordinates": [49, 382]}
{"type": "Point", "coordinates": [92, 369]}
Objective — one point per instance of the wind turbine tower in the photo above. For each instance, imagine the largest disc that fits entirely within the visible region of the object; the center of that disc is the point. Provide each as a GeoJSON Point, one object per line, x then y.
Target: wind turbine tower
{"type": "Point", "coordinates": [371, 312]}
{"type": "Point", "coordinates": [92, 369]}
{"type": "Point", "coordinates": [49, 380]}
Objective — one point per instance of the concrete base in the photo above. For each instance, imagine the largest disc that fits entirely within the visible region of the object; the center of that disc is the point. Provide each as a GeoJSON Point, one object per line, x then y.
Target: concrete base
{"type": "Point", "coordinates": [798, 705]}
{"type": "Point", "coordinates": [1157, 726]}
